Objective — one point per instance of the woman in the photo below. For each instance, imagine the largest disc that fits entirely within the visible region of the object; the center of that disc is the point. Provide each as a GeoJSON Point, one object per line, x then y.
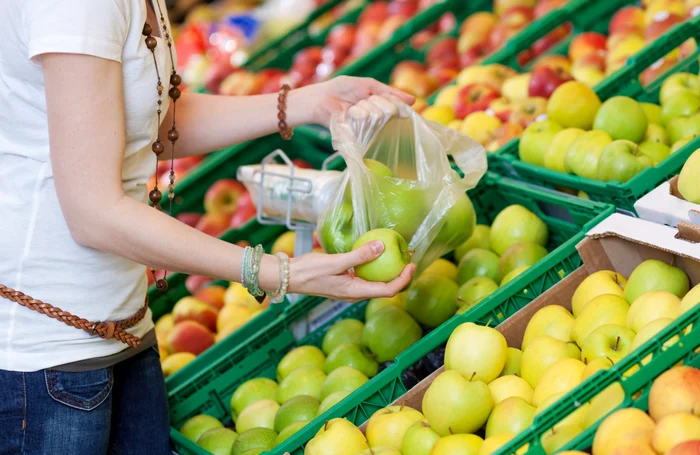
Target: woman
{"type": "Point", "coordinates": [79, 90]}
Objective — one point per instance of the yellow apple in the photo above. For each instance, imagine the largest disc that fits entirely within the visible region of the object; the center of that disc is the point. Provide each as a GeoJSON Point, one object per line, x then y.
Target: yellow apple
{"type": "Point", "coordinates": [622, 428]}
{"type": "Point", "coordinates": [440, 114]}
{"type": "Point", "coordinates": [556, 438]}
{"type": "Point", "coordinates": [543, 352]}
{"type": "Point", "coordinates": [510, 386]}
{"type": "Point", "coordinates": [236, 294]}
{"type": "Point", "coordinates": [673, 430]}
{"type": "Point", "coordinates": [494, 74]}
{"type": "Point", "coordinates": [447, 96]}
{"type": "Point", "coordinates": [494, 443]}
{"type": "Point", "coordinates": [576, 418]}
{"type": "Point", "coordinates": [513, 357]}
{"type": "Point", "coordinates": [510, 416]}
{"type": "Point", "coordinates": [691, 300]}
{"type": "Point", "coordinates": [649, 331]}
{"type": "Point", "coordinates": [457, 444]}
{"type": "Point", "coordinates": [601, 310]}
{"type": "Point", "coordinates": [597, 364]}
{"type": "Point", "coordinates": [478, 353]}
{"type": "Point", "coordinates": [552, 320]}
{"type": "Point", "coordinates": [516, 87]}
{"type": "Point", "coordinates": [480, 126]}
{"type": "Point", "coordinates": [650, 306]}
{"type": "Point", "coordinates": [232, 317]}
{"type": "Point", "coordinates": [561, 377]}
{"type": "Point", "coordinates": [554, 156]}
{"type": "Point", "coordinates": [595, 284]}
{"type": "Point", "coordinates": [337, 437]}
{"type": "Point", "coordinates": [573, 105]}
{"type": "Point", "coordinates": [601, 405]}
{"type": "Point", "coordinates": [676, 390]}
{"type": "Point", "coordinates": [455, 125]}
{"type": "Point", "coordinates": [387, 427]}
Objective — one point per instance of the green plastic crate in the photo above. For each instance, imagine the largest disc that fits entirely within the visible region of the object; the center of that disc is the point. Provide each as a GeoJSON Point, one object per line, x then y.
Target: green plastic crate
{"type": "Point", "coordinates": [636, 385]}
{"type": "Point", "coordinates": [624, 82]}
{"type": "Point", "coordinates": [210, 391]}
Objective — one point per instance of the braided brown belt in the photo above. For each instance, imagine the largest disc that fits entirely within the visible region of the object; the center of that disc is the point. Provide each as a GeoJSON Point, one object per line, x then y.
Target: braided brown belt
{"type": "Point", "coordinates": [105, 329]}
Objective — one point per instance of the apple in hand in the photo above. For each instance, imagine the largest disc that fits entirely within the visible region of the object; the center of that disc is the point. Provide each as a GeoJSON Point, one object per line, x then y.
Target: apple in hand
{"type": "Point", "coordinates": [449, 396]}
{"type": "Point", "coordinates": [478, 353]}
{"type": "Point", "coordinates": [387, 427]}
{"type": "Point", "coordinates": [621, 160]}
{"type": "Point", "coordinates": [390, 263]}
{"type": "Point", "coordinates": [611, 340]}
{"type": "Point", "coordinates": [583, 155]}
{"type": "Point", "coordinates": [688, 179]}
{"type": "Point", "coordinates": [555, 154]}
{"type": "Point", "coordinates": [655, 275]}
{"type": "Point", "coordinates": [516, 224]}
{"type": "Point", "coordinates": [419, 439]}
{"type": "Point", "coordinates": [536, 140]}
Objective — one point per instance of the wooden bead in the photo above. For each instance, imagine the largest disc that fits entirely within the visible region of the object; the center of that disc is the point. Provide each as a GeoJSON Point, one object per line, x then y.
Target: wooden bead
{"type": "Point", "coordinates": [155, 196]}
{"type": "Point", "coordinates": [174, 93]}
{"type": "Point", "coordinates": [151, 42]}
{"type": "Point", "coordinates": [147, 30]}
{"type": "Point", "coordinates": [158, 207]}
{"type": "Point", "coordinates": [173, 135]}
{"type": "Point", "coordinates": [161, 285]}
{"type": "Point", "coordinates": [159, 87]}
{"type": "Point", "coordinates": [282, 115]}
{"type": "Point", "coordinates": [158, 147]}
{"type": "Point", "coordinates": [175, 79]}
{"type": "Point", "coordinates": [282, 124]}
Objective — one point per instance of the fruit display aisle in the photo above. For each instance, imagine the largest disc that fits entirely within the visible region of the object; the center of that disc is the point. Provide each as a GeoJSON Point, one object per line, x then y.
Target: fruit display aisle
{"type": "Point", "coordinates": [558, 326]}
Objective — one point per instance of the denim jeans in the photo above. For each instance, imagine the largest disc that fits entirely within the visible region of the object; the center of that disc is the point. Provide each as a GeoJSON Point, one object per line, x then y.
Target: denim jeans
{"type": "Point", "coordinates": [117, 410]}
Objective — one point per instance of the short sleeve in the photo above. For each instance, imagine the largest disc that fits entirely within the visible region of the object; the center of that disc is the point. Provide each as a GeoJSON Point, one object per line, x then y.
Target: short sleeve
{"type": "Point", "coordinates": [92, 27]}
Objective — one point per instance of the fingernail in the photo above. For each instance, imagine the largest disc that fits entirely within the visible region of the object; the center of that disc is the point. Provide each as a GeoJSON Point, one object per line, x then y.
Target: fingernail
{"type": "Point", "coordinates": [377, 246]}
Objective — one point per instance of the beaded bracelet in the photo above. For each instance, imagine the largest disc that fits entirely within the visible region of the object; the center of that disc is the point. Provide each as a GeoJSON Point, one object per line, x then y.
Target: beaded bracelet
{"type": "Point", "coordinates": [285, 131]}
{"type": "Point", "coordinates": [281, 292]}
{"type": "Point", "coordinates": [244, 265]}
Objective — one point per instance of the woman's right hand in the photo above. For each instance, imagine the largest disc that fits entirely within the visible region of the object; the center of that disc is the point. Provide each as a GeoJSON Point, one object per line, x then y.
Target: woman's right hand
{"type": "Point", "coordinates": [328, 275]}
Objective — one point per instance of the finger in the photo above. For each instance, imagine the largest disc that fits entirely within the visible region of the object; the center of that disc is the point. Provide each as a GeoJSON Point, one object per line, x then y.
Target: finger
{"type": "Point", "coordinates": [366, 253]}
{"type": "Point", "coordinates": [362, 289]}
{"type": "Point", "coordinates": [382, 89]}
{"type": "Point", "coordinates": [387, 106]}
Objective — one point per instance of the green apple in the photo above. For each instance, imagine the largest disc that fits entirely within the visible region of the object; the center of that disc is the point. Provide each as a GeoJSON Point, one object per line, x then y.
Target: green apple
{"type": "Point", "coordinates": [561, 377]}
{"type": "Point", "coordinates": [335, 229]}
{"type": "Point", "coordinates": [655, 275]}
{"type": "Point", "coordinates": [516, 224]}
{"type": "Point", "coordinates": [680, 127]}
{"type": "Point", "coordinates": [650, 306]}
{"type": "Point", "coordinates": [419, 439]}
{"type": "Point", "coordinates": [679, 83]}
{"type": "Point", "coordinates": [536, 139]}
{"type": "Point", "coordinates": [306, 380]}
{"type": "Point", "coordinates": [299, 408]}
{"type": "Point", "coordinates": [657, 133]}
{"type": "Point", "coordinates": [689, 178]}
{"type": "Point", "coordinates": [691, 300]}
{"type": "Point", "coordinates": [679, 144]}
{"type": "Point", "coordinates": [582, 157]}
{"type": "Point", "coordinates": [513, 358]}
{"type": "Point", "coordinates": [552, 320]}
{"type": "Point", "coordinates": [543, 352]}
{"type": "Point", "coordinates": [510, 416]}
{"type": "Point", "coordinates": [337, 437]}
{"type": "Point", "coordinates": [478, 262]}
{"type": "Point", "coordinates": [255, 438]}
{"type": "Point", "coordinates": [218, 441]}
{"type": "Point", "coordinates": [478, 353]}
{"type": "Point", "coordinates": [374, 305]}
{"type": "Point", "coordinates": [442, 267]}
{"type": "Point", "coordinates": [352, 355]}
{"type": "Point", "coordinates": [682, 104]}
{"type": "Point", "coordinates": [519, 255]}
{"type": "Point", "coordinates": [390, 332]}
{"type": "Point", "coordinates": [611, 340]}
{"type": "Point", "coordinates": [554, 156]}
{"type": "Point", "coordinates": [575, 418]}
{"type": "Point", "coordinates": [510, 386]}
{"type": "Point", "coordinates": [332, 399]}
{"type": "Point", "coordinates": [343, 378]}
{"type": "Point", "coordinates": [556, 438]}
{"type": "Point", "coordinates": [387, 427]}
{"type": "Point", "coordinates": [343, 331]}
{"type": "Point", "coordinates": [401, 205]}
{"type": "Point", "coordinates": [289, 431]}
{"type": "Point", "coordinates": [620, 161]}
{"type": "Point", "coordinates": [474, 291]}
{"type": "Point", "coordinates": [653, 112]}
{"type": "Point", "coordinates": [480, 238]}
{"type": "Point", "coordinates": [453, 404]}
{"type": "Point", "coordinates": [597, 283]}
{"type": "Point", "coordinates": [251, 391]}
{"type": "Point", "coordinates": [377, 168]}
{"type": "Point", "coordinates": [198, 425]}
{"type": "Point", "coordinates": [598, 364]}
{"type": "Point", "coordinates": [432, 300]}
{"type": "Point", "coordinates": [260, 414]}
{"type": "Point", "coordinates": [610, 115]}
{"type": "Point", "coordinates": [303, 356]}
{"type": "Point", "coordinates": [390, 263]}
{"type": "Point", "coordinates": [510, 276]}
{"type": "Point", "coordinates": [458, 444]}
{"type": "Point", "coordinates": [656, 151]}
{"type": "Point", "coordinates": [602, 310]}
{"type": "Point", "coordinates": [458, 225]}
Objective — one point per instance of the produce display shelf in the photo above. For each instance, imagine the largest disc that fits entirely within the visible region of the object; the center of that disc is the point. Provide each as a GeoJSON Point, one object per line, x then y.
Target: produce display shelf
{"type": "Point", "coordinates": [634, 377]}
{"type": "Point", "coordinates": [209, 391]}
{"type": "Point", "coordinates": [624, 82]}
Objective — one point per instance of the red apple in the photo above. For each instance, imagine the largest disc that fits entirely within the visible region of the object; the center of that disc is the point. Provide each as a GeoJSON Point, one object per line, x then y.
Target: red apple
{"type": "Point", "coordinates": [444, 49]}
{"type": "Point", "coordinates": [587, 43]}
{"type": "Point", "coordinates": [628, 20]}
{"type": "Point", "coordinates": [215, 74]}
{"type": "Point", "coordinates": [504, 134]}
{"type": "Point", "coordinates": [300, 164]}
{"type": "Point", "coordinates": [270, 79]}
{"type": "Point", "coordinates": [525, 57]}
{"type": "Point", "coordinates": [406, 9]}
{"type": "Point", "coordinates": [342, 37]}
{"type": "Point", "coordinates": [243, 243]}
{"type": "Point", "coordinates": [549, 40]}
{"type": "Point", "coordinates": [374, 12]}
{"type": "Point", "coordinates": [656, 70]}
{"type": "Point", "coordinates": [512, 22]}
{"type": "Point", "coordinates": [686, 448]}
{"type": "Point", "coordinates": [661, 26]}
{"type": "Point", "coordinates": [447, 23]}
{"type": "Point", "coordinates": [544, 7]}
{"type": "Point", "coordinates": [473, 98]}
{"type": "Point", "coordinates": [545, 80]}
{"type": "Point", "coordinates": [245, 201]}
{"type": "Point", "coordinates": [366, 38]}
{"type": "Point", "coordinates": [222, 196]}
{"type": "Point", "coordinates": [553, 62]}
{"type": "Point", "coordinates": [213, 224]}
{"type": "Point", "coordinates": [444, 73]}
{"type": "Point", "coordinates": [194, 282]}
{"type": "Point", "coordinates": [501, 6]}
{"type": "Point", "coordinates": [390, 26]}
{"type": "Point", "coordinates": [473, 55]}
{"type": "Point", "coordinates": [242, 216]}
{"type": "Point", "coordinates": [501, 108]}
{"type": "Point", "coordinates": [420, 39]}
{"type": "Point", "coordinates": [686, 49]}
{"type": "Point", "coordinates": [190, 219]}
{"type": "Point", "coordinates": [475, 30]}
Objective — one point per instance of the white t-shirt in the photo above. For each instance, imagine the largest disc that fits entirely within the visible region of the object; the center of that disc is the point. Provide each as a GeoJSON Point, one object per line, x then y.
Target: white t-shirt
{"type": "Point", "coordinates": [38, 256]}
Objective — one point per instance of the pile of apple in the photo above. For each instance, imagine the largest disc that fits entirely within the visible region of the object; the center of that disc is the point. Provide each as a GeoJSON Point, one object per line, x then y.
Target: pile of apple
{"type": "Point", "coordinates": [614, 140]}
{"type": "Point", "coordinates": [490, 392]}
{"type": "Point", "coordinates": [672, 426]}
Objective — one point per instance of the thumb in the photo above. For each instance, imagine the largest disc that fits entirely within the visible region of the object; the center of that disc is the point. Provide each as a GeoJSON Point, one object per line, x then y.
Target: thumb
{"type": "Point", "coordinates": [366, 253]}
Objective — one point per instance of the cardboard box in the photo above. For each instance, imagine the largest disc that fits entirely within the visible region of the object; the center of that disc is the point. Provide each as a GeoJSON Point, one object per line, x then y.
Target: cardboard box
{"type": "Point", "coordinates": [619, 243]}
{"type": "Point", "coordinates": [665, 205]}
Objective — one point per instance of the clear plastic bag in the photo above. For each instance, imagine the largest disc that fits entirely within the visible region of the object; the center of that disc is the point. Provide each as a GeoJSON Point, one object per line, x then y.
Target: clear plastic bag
{"type": "Point", "coordinates": [409, 185]}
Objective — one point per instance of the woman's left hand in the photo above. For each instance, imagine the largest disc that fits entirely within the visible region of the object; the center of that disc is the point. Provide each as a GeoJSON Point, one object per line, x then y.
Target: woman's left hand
{"type": "Point", "coordinates": [340, 93]}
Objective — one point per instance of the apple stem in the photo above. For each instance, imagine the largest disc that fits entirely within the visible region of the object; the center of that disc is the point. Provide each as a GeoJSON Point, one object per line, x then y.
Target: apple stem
{"type": "Point", "coordinates": [488, 323]}
{"type": "Point", "coordinates": [325, 427]}
{"type": "Point", "coordinates": [472, 378]}
{"type": "Point", "coordinates": [611, 360]}
{"type": "Point", "coordinates": [450, 430]}
{"type": "Point", "coordinates": [636, 150]}
{"type": "Point", "coordinates": [617, 343]}
{"type": "Point", "coordinates": [401, 408]}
